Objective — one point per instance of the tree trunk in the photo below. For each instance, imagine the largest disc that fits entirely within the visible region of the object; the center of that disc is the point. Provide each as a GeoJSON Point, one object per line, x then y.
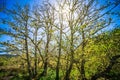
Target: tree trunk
{"type": "Point", "coordinates": [83, 60]}
{"type": "Point", "coordinates": [44, 73]}
{"type": "Point", "coordinates": [58, 62]}
{"type": "Point", "coordinates": [35, 60]}
{"type": "Point", "coordinates": [105, 73]}
{"type": "Point", "coordinates": [67, 76]}
{"type": "Point", "coordinates": [83, 70]}
{"type": "Point", "coordinates": [27, 53]}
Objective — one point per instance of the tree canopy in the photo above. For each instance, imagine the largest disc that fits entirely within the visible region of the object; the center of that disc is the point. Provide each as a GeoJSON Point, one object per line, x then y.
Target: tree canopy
{"type": "Point", "coordinates": [64, 40]}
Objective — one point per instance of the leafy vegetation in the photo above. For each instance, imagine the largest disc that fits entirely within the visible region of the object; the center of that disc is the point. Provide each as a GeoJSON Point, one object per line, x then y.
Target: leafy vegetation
{"type": "Point", "coordinates": [61, 42]}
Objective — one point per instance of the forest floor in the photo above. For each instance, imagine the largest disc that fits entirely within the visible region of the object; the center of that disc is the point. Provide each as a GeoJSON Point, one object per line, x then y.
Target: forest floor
{"type": "Point", "coordinates": [10, 74]}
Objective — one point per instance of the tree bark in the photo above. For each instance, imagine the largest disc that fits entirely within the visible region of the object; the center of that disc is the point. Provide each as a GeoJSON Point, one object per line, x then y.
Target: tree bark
{"type": "Point", "coordinates": [35, 60]}
{"type": "Point", "coordinates": [58, 62]}
{"type": "Point", "coordinates": [104, 73]}
{"type": "Point", "coordinates": [83, 60]}
{"type": "Point", "coordinates": [67, 76]}
{"type": "Point", "coordinates": [27, 53]}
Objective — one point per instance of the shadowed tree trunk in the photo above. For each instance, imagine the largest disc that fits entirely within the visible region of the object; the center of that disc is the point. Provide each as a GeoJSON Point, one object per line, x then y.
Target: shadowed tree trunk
{"type": "Point", "coordinates": [104, 73]}
{"type": "Point", "coordinates": [27, 53]}
{"type": "Point", "coordinates": [44, 73]}
{"type": "Point", "coordinates": [35, 58]}
{"type": "Point", "coordinates": [60, 44]}
{"type": "Point", "coordinates": [67, 75]}
{"type": "Point", "coordinates": [83, 60]}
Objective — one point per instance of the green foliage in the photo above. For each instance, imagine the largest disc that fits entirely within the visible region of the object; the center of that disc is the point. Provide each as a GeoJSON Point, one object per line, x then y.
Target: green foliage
{"type": "Point", "coordinates": [50, 75]}
{"type": "Point", "coordinates": [78, 47]}
{"type": "Point", "coordinates": [102, 49]}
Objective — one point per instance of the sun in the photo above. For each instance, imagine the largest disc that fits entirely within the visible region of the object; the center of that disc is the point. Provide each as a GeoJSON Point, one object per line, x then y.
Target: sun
{"type": "Point", "coordinates": [63, 11]}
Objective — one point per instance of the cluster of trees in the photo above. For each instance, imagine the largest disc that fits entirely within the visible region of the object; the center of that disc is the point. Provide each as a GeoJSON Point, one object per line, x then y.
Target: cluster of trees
{"type": "Point", "coordinates": [65, 37]}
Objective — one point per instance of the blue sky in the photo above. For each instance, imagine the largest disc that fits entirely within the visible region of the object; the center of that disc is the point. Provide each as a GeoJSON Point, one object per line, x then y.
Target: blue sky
{"type": "Point", "coordinates": [9, 4]}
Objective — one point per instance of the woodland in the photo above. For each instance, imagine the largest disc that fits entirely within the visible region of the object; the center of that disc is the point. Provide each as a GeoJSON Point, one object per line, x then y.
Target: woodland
{"type": "Point", "coordinates": [61, 40]}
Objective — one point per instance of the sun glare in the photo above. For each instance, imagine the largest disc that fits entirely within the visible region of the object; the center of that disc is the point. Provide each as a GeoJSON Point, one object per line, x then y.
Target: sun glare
{"type": "Point", "coordinates": [64, 11]}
